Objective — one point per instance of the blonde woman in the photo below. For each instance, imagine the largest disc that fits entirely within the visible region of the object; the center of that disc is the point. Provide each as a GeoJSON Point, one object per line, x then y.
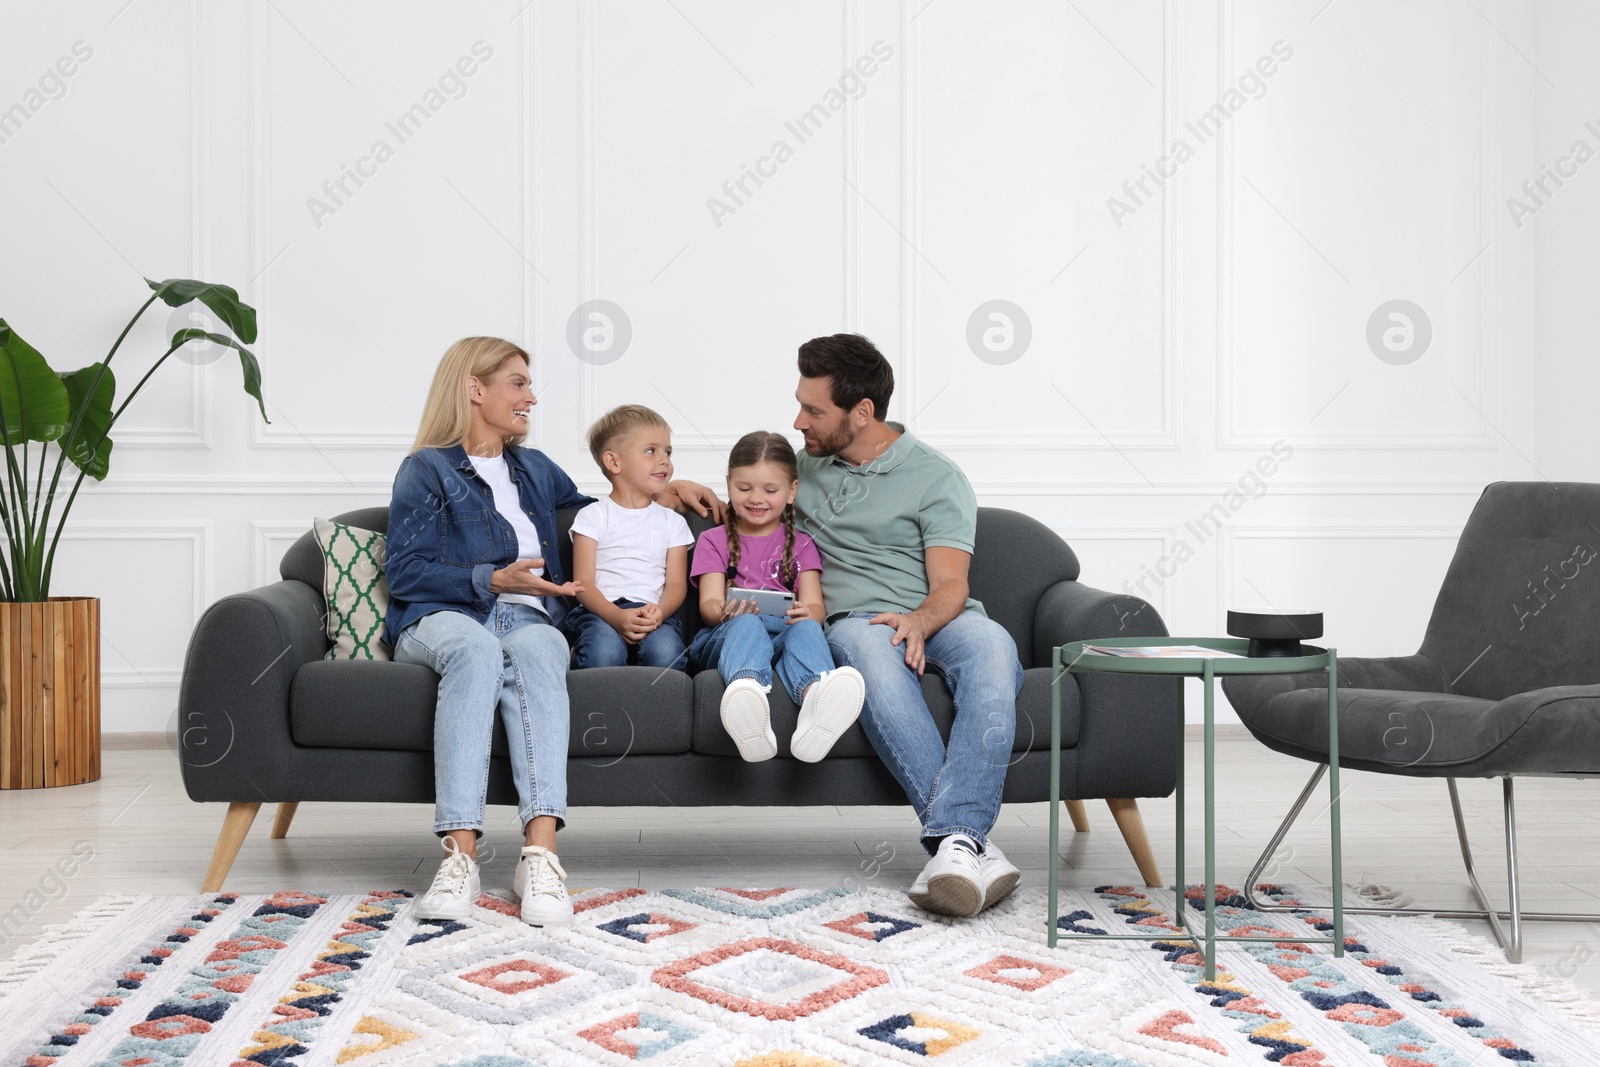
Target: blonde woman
{"type": "Point", "coordinates": [476, 588]}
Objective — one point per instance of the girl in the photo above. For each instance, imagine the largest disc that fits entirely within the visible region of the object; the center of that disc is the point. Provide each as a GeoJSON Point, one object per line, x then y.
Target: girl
{"type": "Point", "coordinates": [759, 548]}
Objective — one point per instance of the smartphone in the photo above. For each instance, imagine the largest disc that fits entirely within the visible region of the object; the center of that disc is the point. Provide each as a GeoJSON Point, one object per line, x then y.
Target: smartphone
{"type": "Point", "coordinates": [768, 601]}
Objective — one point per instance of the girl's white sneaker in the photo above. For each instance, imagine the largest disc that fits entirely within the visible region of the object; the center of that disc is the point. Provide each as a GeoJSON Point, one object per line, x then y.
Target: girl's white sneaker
{"type": "Point", "coordinates": [748, 719]}
{"type": "Point", "coordinates": [455, 887]}
{"type": "Point", "coordinates": [830, 707]}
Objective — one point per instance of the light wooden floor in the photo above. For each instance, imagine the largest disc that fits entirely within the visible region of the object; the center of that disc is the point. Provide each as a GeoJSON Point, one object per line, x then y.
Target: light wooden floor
{"type": "Point", "coordinates": [148, 837]}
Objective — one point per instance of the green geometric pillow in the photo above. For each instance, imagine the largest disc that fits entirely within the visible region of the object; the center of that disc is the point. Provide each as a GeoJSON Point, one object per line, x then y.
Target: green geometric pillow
{"type": "Point", "coordinates": [358, 597]}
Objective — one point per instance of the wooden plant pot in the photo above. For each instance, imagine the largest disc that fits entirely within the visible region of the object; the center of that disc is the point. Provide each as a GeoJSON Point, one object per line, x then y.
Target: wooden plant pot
{"type": "Point", "coordinates": [50, 692]}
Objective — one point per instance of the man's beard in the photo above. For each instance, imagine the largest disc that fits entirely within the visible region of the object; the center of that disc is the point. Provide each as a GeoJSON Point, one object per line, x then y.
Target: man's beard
{"type": "Point", "coordinates": [831, 445]}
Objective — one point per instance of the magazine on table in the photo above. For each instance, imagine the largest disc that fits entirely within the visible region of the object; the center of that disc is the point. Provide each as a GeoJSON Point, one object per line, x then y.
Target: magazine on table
{"type": "Point", "coordinates": [1161, 652]}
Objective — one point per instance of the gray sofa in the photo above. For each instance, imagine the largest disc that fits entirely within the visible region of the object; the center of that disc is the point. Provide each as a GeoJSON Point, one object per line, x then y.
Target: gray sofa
{"type": "Point", "coordinates": [263, 718]}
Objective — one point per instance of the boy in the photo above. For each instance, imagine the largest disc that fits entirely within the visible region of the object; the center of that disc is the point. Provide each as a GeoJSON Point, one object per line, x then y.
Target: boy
{"type": "Point", "coordinates": [630, 554]}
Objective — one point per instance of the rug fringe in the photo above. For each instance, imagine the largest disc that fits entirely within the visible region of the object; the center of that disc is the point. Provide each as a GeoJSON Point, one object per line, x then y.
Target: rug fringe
{"type": "Point", "coordinates": [1551, 989]}
{"type": "Point", "coordinates": [1383, 896]}
{"type": "Point", "coordinates": [55, 939]}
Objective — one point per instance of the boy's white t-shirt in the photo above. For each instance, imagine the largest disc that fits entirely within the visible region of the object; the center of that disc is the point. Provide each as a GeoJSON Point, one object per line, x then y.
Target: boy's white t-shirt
{"type": "Point", "coordinates": [630, 556]}
{"type": "Point", "coordinates": [493, 470]}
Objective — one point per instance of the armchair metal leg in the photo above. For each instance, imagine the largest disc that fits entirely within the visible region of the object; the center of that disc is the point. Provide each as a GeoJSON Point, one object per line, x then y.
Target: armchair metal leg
{"type": "Point", "coordinates": [1511, 942]}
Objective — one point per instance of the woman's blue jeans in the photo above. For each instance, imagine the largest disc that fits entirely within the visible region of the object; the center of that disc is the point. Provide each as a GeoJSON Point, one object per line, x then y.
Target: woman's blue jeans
{"type": "Point", "coordinates": [514, 664]}
{"type": "Point", "coordinates": [956, 788]}
{"type": "Point", "coordinates": [747, 646]}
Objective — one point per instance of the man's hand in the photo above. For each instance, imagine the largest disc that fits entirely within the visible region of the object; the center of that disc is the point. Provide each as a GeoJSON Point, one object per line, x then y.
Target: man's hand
{"type": "Point", "coordinates": [683, 495]}
{"type": "Point", "coordinates": [908, 628]}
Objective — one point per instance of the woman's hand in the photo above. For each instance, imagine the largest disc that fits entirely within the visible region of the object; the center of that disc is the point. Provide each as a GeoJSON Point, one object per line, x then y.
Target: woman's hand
{"type": "Point", "coordinates": [519, 578]}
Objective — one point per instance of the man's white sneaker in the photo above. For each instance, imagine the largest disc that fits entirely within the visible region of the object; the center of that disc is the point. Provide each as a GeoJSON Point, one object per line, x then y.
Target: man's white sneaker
{"type": "Point", "coordinates": [455, 887]}
{"type": "Point", "coordinates": [998, 874]}
{"type": "Point", "coordinates": [830, 707]}
{"type": "Point", "coordinates": [950, 884]}
{"type": "Point", "coordinates": [541, 883]}
{"type": "Point", "coordinates": [748, 719]}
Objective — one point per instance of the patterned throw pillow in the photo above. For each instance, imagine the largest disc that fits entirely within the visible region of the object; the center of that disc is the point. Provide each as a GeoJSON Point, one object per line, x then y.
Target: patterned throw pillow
{"type": "Point", "coordinates": [358, 597]}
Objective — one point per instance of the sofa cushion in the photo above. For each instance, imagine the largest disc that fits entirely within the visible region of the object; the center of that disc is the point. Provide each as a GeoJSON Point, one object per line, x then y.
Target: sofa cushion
{"type": "Point", "coordinates": [354, 589]}
{"type": "Point", "coordinates": [367, 704]}
{"type": "Point", "coordinates": [1033, 715]}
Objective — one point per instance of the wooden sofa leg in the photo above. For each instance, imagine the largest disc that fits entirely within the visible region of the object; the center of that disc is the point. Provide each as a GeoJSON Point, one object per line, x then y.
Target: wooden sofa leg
{"type": "Point", "coordinates": [280, 825]}
{"type": "Point", "coordinates": [1126, 811]}
{"type": "Point", "coordinates": [235, 825]}
{"type": "Point", "coordinates": [1080, 815]}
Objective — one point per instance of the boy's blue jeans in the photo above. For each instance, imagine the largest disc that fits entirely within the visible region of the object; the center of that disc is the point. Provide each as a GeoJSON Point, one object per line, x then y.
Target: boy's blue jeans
{"type": "Point", "coordinates": [514, 663]}
{"type": "Point", "coordinates": [746, 646]}
{"type": "Point", "coordinates": [596, 644]}
{"type": "Point", "coordinates": [955, 789]}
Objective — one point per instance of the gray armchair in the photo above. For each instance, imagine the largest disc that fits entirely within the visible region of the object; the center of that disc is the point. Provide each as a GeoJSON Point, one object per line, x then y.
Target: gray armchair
{"type": "Point", "coordinates": [265, 719]}
{"type": "Point", "coordinates": [1506, 684]}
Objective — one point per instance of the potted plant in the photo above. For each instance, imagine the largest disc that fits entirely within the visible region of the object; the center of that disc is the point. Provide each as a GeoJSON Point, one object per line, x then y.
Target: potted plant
{"type": "Point", "coordinates": [50, 646]}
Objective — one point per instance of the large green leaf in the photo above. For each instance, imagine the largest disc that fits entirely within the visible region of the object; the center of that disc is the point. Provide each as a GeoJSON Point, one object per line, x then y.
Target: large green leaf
{"type": "Point", "coordinates": [90, 447]}
{"type": "Point", "coordinates": [34, 398]}
{"type": "Point", "coordinates": [240, 317]}
{"type": "Point", "coordinates": [247, 359]}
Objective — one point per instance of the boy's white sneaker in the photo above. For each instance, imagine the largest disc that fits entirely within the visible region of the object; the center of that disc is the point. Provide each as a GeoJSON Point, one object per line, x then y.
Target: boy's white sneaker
{"type": "Point", "coordinates": [748, 719]}
{"type": "Point", "coordinates": [998, 874]}
{"type": "Point", "coordinates": [455, 886]}
{"type": "Point", "coordinates": [540, 882]}
{"type": "Point", "coordinates": [952, 881]}
{"type": "Point", "coordinates": [830, 707]}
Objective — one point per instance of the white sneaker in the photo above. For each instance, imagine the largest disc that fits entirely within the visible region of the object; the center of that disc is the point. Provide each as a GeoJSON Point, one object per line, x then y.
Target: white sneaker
{"type": "Point", "coordinates": [951, 883]}
{"type": "Point", "coordinates": [998, 874]}
{"type": "Point", "coordinates": [455, 887]}
{"type": "Point", "coordinates": [830, 708]}
{"type": "Point", "coordinates": [748, 719]}
{"type": "Point", "coordinates": [541, 883]}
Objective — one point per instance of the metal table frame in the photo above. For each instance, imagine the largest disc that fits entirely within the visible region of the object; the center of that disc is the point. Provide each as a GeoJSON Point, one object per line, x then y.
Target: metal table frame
{"type": "Point", "coordinates": [1072, 658]}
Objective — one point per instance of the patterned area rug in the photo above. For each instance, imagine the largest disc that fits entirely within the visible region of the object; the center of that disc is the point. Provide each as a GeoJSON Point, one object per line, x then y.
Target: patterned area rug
{"type": "Point", "coordinates": [759, 978]}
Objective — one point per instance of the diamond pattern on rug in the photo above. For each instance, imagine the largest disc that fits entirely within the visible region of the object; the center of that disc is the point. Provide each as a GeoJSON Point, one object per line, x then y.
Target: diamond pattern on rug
{"type": "Point", "coordinates": [769, 978]}
{"type": "Point", "coordinates": [871, 926]}
{"type": "Point", "coordinates": [1026, 975]}
{"type": "Point", "coordinates": [922, 1034]}
{"type": "Point", "coordinates": [639, 1035]}
{"type": "Point", "coordinates": [646, 926]}
{"type": "Point", "coordinates": [754, 903]}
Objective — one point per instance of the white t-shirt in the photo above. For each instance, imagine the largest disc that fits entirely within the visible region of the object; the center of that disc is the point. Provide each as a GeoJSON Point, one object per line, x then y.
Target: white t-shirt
{"type": "Point", "coordinates": [493, 470]}
{"type": "Point", "coordinates": [630, 557]}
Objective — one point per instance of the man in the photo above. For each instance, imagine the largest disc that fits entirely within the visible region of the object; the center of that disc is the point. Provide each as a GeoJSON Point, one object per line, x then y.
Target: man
{"type": "Point", "coordinates": [895, 521]}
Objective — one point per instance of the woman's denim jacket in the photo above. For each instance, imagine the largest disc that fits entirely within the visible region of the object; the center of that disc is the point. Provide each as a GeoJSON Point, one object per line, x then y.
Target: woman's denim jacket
{"type": "Point", "coordinates": [446, 539]}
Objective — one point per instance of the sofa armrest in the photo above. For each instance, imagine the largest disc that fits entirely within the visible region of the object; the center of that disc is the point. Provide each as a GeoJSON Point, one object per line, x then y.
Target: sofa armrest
{"type": "Point", "coordinates": [1127, 728]}
{"type": "Point", "coordinates": [234, 739]}
{"type": "Point", "coordinates": [1412, 674]}
{"type": "Point", "coordinates": [1072, 611]}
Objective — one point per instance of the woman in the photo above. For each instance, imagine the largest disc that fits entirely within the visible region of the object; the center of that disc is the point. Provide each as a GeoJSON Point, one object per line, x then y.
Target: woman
{"type": "Point", "coordinates": [475, 583]}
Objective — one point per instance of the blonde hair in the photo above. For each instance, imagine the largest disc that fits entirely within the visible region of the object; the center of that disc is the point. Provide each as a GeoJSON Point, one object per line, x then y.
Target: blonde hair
{"type": "Point", "coordinates": [447, 416]}
{"type": "Point", "coordinates": [609, 429]}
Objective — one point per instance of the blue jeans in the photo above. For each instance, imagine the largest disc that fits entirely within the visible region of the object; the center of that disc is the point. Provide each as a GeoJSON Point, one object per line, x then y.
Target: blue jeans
{"type": "Point", "coordinates": [596, 644]}
{"type": "Point", "coordinates": [746, 646]}
{"type": "Point", "coordinates": [956, 790]}
{"type": "Point", "coordinates": [515, 663]}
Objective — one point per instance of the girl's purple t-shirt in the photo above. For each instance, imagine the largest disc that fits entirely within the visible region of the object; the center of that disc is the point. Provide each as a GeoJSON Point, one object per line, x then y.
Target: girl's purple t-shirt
{"type": "Point", "coordinates": [760, 558]}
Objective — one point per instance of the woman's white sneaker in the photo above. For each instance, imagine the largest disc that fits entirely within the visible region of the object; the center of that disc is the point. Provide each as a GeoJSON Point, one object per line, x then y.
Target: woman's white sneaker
{"type": "Point", "coordinates": [455, 887]}
{"type": "Point", "coordinates": [830, 707]}
{"type": "Point", "coordinates": [748, 719]}
{"type": "Point", "coordinates": [541, 883]}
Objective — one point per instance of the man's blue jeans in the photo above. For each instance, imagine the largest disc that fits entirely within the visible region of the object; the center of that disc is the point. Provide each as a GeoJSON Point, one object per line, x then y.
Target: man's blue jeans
{"type": "Point", "coordinates": [596, 644]}
{"type": "Point", "coordinates": [746, 646]}
{"type": "Point", "coordinates": [516, 663]}
{"type": "Point", "coordinates": [955, 789]}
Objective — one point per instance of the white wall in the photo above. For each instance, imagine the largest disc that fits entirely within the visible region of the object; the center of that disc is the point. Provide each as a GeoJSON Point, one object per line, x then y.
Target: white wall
{"type": "Point", "coordinates": [1171, 347]}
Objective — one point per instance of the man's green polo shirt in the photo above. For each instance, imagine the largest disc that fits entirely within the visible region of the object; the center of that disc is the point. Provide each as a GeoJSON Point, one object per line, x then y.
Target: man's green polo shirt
{"type": "Point", "coordinates": [873, 522]}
